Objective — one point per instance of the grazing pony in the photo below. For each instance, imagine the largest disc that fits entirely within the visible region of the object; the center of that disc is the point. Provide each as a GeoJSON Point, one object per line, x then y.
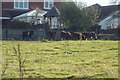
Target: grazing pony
{"type": "Point", "coordinates": [66, 35]}
{"type": "Point", "coordinates": [26, 35]}
{"type": "Point", "coordinates": [89, 35]}
{"type": "Point", "coordinates": [76, 35]}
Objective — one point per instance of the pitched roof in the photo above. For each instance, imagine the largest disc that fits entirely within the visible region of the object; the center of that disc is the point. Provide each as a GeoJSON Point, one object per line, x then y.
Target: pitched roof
{"type": "Point", "coordinates": [12, 12]}
{"type": "Point", "coordinates": [108, 10]}
{"type": "Point", "coordinates": [96, 5]}
{"type": "Point", "coordinates": [52, 12]}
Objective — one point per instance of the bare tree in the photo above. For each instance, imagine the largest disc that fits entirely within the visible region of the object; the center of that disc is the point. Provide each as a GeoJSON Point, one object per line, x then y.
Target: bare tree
{"type": "Point", "coordinates": [20, 60]}
{"type": "Point", "coordinates": [6, 63]}
{"type": "Point", "coordinates": [115, 2]}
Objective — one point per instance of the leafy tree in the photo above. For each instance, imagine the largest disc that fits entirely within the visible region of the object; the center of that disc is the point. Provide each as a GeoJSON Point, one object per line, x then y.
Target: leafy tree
{"type": "Point", "coordinates": [91, 14]}
{"type": "Point", "coordinates": [78, 17]}
{"type": "Point", "coordinates": [70, 15]}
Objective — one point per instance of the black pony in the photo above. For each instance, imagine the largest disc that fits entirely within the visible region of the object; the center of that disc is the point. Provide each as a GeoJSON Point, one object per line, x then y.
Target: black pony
{"type": "Point", "coordinates": [27, 35]}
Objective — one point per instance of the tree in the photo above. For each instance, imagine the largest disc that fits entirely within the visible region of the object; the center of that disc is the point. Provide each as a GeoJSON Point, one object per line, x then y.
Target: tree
{"type": "Point", "coordinates": [115, 2]}
{"type": "Point", "coordinates": [70, 15]}
{"type": "Point", "coordinates": [92, 15]}
{"type": "Point", "coordinates": [78, 17]}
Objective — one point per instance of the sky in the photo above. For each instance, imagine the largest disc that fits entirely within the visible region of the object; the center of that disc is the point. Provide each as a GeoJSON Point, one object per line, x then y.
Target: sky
{"type": "Point", "coordinates": [101, 2]}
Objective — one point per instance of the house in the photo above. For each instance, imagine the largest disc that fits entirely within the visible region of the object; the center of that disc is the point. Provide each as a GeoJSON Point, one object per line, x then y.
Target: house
{"type": "Point", "coordinates": [15, 8]}
{"type": "Point", "coordinates": [107, 20]}
{"type": "Point", "coordinates": [105, 15]}
{"type": "Point", "coordinates": [111, 22]}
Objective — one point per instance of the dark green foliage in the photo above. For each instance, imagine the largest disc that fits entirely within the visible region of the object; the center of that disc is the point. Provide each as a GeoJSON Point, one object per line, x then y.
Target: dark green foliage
{"type": "Point", "coordinates": [70, 15]}
{"type": "Point", "coordinates": [78, 18]}
{"type": "Point", "coordinates": [23, 24]}
{"type": "Point", "coordinates": [19, 24]}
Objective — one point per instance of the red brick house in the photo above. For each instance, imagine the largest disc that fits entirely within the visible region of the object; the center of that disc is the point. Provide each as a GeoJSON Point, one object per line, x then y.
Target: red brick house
{"type": "Point", "coordinates": [17, 7]}
{"type": "Point", "coordinates": [13, 8]}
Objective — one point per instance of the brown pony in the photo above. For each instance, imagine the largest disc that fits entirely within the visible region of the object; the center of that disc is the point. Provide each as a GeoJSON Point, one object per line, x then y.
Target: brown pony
{"type": "Point", "coordinates": [89, 35]}
{"type": "Point", "coordinates": [66, 35]}
{"type": "Point", "coordinates": [76, 35]}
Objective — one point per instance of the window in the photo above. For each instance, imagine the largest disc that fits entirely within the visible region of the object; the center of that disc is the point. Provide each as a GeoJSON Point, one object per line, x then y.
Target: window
{"type": "Point", "coordinates": [21, 4]}
{"type": "Point", "coordinates": [48, 4]}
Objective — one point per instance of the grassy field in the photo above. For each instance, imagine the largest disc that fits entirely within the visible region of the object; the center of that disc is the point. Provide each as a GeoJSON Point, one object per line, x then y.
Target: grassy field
{"type": "Point", "coordinates": [62, 59]}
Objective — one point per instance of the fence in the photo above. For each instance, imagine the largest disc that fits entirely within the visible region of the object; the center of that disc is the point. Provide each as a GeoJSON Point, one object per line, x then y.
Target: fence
{"type": "Point", "coordinates": [108, 37]}
{"type": "Point", "coordinates": [42, 34]}
{"type": "Point", "coordinates": [17, 34]}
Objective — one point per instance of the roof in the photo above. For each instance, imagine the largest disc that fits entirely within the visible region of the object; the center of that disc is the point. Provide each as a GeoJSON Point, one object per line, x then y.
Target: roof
{"type": "Point", "coordinates": [4, 18]}
{"type": "Point", "coordinates": [105, 11]}
{"type": "Point", "coordinates": [52, 12]}
{"type": "Point", "coordinates": [108, 10]}
{"type": "Point", "coordinates": [96, 5]}
{"type": "Point", "coordinates": [31, 14]}
{"type": "Point", "coordinates": [12, 12]}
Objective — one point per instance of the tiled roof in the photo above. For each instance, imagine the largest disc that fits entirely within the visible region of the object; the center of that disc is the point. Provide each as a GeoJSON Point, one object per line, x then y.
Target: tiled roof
{"type": "Point", "coordinates": [52, 12]}
{"type": "Point", "coordinates": [106, 11]}
{"type": "Point", "coordinates": [12, 12]}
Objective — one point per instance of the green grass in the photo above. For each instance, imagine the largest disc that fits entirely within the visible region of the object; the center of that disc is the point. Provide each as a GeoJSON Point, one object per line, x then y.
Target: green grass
{"type": "Point", "coordinates": [61, 59]}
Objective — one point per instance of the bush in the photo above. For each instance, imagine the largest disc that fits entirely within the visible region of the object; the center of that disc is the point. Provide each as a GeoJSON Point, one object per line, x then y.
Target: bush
{"type": "Point", "coordinates": [19, 25]}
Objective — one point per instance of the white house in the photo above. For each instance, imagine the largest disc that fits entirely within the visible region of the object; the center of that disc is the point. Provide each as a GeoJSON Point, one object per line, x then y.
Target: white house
{"type": "Point", "coordinates": [112, 21]}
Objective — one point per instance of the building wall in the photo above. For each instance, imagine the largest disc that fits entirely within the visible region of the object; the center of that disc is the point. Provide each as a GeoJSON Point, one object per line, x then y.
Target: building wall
{"type": "Point", "coordinates": [40, 5]}
{"type": "Point", "coordinates": [7, 5]}
{"type": "Point", "coordinates": [32, 4]}
{"type": "Point", "coordinates": [110, 22]}
{"type": "Point", "coordinates": [106, 24]}
{"type": "Point", "coordinates": [58, 4]}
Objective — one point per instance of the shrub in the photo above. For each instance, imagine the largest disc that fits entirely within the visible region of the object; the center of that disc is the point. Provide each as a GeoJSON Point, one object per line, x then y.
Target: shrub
{"type": "Point", "coordinates": [19, 24]}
